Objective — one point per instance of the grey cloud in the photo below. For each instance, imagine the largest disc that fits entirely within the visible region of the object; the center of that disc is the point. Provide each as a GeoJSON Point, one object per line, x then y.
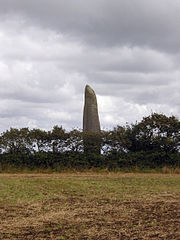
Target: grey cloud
{"type": "Point", "coordinates": [123, 59]}
{"type": "Point", "coordinates": [15, 113]}
{"type": "Point", "coordinates": [106, 23]}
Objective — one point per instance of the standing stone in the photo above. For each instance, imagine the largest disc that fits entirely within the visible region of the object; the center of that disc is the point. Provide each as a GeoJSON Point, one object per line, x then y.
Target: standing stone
{"type": "Point", "coordinates": [91, 125]}
{"type": "Point", "coordinates": [90, 116]}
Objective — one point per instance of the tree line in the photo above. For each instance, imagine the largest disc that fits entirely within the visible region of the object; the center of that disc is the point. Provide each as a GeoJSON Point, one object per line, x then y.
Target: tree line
{"type": "Point", "coordinates": [152, 142]}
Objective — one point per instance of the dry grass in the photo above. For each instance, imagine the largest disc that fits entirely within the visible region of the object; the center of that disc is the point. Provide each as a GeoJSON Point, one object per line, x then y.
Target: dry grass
{"type": "Point", "coordinates": [89, 206]}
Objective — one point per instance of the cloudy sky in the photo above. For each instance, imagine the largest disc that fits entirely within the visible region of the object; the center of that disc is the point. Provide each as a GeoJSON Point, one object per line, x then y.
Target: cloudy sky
{"type": "Point", "coordinates": [128, 51]}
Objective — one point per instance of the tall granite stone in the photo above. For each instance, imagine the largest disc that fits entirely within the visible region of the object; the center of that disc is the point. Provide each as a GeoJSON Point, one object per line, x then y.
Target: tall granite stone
{"type": "Point", "coordinates": [91, 124]}
{"type": "Point", "coordinates": [90, 117]}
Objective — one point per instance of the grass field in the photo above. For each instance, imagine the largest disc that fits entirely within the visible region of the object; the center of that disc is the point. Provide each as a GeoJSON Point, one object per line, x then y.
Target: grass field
{"type": "Point", "coordinates": [89, 206]}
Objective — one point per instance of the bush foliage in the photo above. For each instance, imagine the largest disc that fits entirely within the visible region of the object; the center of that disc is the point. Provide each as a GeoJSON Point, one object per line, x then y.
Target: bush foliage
{"type": "Point", "coordinates": [153, 142]}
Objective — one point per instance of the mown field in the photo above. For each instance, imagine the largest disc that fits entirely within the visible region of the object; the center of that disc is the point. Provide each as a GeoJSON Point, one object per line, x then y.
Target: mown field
{"type": "Point", "coordinates": [89, 206]}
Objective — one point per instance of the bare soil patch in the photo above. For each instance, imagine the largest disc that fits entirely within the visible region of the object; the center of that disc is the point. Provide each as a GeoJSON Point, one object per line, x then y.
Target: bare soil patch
{"type": "Point", "coordinates": [92, 207]}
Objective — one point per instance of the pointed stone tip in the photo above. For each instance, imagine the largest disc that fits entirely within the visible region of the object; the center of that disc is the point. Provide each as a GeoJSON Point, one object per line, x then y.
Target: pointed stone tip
{"type": "Point", "coordinates": [89, 89]}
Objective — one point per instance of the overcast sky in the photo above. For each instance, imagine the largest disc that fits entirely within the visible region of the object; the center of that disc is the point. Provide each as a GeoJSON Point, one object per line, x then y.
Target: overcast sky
{"type": "Point", "coordinates": [128, 51]}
